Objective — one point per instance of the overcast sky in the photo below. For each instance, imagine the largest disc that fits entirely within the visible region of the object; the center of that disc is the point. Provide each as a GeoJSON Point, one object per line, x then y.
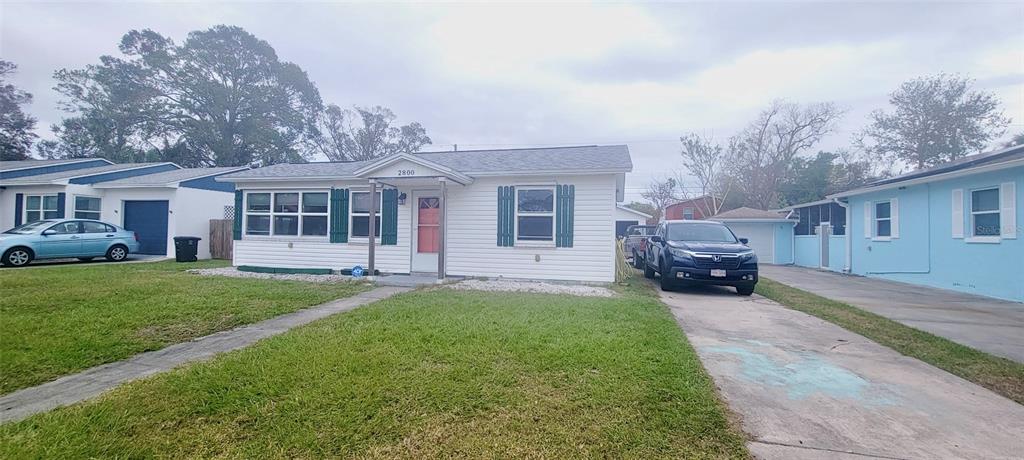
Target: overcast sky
{"type": "Point", "coordinates": [495, 76]}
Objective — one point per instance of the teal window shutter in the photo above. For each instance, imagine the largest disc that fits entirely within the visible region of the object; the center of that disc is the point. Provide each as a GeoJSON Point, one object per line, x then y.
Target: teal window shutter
{"type": "Point", "coordinates": [389, 217]}
{"type": "Point", "coordinates": [566, 198]}
{"type": "Point", "coordinates": [506, 215]}
{"type": "Point", "coordinates": [339, 215]}
{"type": "Point", "coordinates": [236, 228]}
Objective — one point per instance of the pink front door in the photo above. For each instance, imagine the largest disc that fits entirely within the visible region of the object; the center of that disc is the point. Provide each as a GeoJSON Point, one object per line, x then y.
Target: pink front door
{"type": "Point", "coordinates": [427, 225]}
{"type": "Point", "coordinates": [426, 231]}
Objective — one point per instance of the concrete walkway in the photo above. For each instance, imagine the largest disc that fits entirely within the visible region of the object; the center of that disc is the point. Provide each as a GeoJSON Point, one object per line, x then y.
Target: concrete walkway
{"type": "Point", "coordinates": [805, 388]}
{"type": "Point", "coordinates": [990, 325]}
{"type": "Point", "coordinates": [92, 382]}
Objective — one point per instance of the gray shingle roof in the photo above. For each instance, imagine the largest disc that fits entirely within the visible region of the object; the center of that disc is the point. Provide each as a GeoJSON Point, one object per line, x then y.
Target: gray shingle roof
{"type": "Point", "coordinates": [747, 213]}
{"type": "Point", "coordinates": [166, 178]}
{"type": "Point", "coordinates": [24, 164]}
{"type": "Point", "coordinates": [577, 159]}
{"type": "Point", "coordinates": [47, 178]}
{"type": "Point", "coordinates": [999, 156]}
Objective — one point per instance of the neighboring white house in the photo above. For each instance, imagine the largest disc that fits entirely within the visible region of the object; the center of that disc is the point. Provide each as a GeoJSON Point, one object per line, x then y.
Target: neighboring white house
{"type": "Point", "coordinates": [626, 216]}
{"type": "Point", "coordinates": [156, 200]}
{"type": "Point", "coordinates": [546, 213]}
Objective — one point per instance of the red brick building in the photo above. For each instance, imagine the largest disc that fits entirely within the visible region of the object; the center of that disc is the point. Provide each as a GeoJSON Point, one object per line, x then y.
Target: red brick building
{"type": "Point", "coordinates": [692, 209]}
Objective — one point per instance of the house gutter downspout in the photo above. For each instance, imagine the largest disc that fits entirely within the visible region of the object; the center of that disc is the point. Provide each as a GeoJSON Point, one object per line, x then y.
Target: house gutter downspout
{"type": "Point", "coordinates": [849, 239]}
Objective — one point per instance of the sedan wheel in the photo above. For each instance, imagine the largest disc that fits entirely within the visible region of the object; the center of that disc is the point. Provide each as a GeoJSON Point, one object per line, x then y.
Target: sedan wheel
{"type": "Point", "coordinates": [117, 254]}
{"type": "Point", "coordinates": [17, 257]}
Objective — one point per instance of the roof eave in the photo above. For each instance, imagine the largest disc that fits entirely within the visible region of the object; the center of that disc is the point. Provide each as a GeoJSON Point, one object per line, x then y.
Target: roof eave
{"type": "Point", "coordinates": [932, 178]}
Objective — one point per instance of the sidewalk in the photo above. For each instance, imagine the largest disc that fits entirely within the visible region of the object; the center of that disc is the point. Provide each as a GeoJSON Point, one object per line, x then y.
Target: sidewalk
{"type": "Point", "coordinates": [92, 382]}
{"type": "Point", "coordinates": [805, 388]}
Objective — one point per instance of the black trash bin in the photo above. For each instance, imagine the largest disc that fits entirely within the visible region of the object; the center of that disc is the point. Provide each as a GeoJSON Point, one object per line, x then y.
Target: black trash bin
{"type": "Point", "coordinates": [186, 248]}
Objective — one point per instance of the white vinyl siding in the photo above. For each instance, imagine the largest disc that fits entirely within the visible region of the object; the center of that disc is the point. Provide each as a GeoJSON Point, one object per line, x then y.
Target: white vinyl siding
{"type": "Point", "coordinates": [471, 228]}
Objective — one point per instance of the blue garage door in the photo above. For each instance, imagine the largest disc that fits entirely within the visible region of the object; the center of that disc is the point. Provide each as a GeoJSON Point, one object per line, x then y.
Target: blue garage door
{"type": "Point", "coordinates": [148, 219]}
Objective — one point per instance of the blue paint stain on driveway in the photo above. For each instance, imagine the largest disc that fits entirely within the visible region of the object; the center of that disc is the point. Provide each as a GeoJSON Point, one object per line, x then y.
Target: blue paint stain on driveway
{"type": "Point", "coordinates": [806, 376]}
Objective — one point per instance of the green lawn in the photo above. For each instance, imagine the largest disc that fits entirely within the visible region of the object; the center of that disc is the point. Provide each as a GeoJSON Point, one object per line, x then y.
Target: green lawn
{"type": "Point", "coordinates": [58, 320]}
{"type": "Point", "coordinates": [426, 374]}
{"type": "Point", "coordinates": [1000, 375]}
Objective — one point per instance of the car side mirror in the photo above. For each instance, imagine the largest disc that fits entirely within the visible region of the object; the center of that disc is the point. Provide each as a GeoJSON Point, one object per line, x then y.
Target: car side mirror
{"type": "Point", "coordinates": [49, 232]}
{"type": "Point", "coordinates": [744, 240]}
{"type": "Point", "coordinates": [656, 238]}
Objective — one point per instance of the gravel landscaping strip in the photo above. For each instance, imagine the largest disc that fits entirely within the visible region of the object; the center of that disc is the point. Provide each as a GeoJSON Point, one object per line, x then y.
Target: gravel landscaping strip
{"type": "Point", "coordinates": [532, 286]}
{"type": "Point", "coordinates": [233, 272]}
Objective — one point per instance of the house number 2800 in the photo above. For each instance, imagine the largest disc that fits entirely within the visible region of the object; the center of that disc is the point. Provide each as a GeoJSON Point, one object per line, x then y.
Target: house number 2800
{"type": "Point", "coordinates": [406, 172]}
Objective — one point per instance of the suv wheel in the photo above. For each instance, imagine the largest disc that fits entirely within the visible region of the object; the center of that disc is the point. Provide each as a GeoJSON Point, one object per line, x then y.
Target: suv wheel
{"type": "Point", "coordinates": [745, 290]}
{"type": "Point", "coordinates": [648, 271]}
{"type": "Point", "coordinates": [17, 257]}
{"type": "Point", "coordinates": [637, 263]}
{"type": "Point", "coordinates": [666, 279]}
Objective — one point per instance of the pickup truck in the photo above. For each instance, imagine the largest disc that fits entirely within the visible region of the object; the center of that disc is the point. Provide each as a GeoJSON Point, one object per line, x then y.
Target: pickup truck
{"type": "Point", "coordinates": [635, 243]}
{"type": "Point", "coordinates": [700, 252]}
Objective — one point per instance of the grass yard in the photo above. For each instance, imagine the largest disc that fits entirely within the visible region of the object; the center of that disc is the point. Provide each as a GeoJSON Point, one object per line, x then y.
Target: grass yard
{"type": "Point", "coordinates": [58, 320]}
{"type": "Point", "coordinates": [1000, 375]}
{"type": "Point", "coordinates": [427, 374]}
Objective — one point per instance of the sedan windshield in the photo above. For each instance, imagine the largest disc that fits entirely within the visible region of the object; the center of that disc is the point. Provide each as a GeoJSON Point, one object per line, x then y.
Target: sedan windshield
{"type": "Point", "coordinates": [701, 232]}
{"type": "Point", "coordinates": [30, 227]}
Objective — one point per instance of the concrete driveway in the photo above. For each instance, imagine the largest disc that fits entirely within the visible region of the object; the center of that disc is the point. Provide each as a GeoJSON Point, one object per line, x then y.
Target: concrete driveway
{"type": "Point", "coordinates": [805, 388]}
{"type": "Point", "coordinates": [991, 325]}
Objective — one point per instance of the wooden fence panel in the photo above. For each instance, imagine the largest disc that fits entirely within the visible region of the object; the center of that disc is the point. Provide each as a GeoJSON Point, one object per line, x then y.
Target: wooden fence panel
{"type": "Point", "coordinates": [221, 238]}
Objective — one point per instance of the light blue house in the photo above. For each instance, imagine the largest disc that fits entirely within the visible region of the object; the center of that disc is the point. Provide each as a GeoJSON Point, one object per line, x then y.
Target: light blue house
{"type": "Point", "coordinates": [954, 226]}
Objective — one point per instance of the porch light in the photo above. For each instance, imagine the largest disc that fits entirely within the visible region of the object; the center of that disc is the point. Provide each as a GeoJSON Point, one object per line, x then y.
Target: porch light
{"type": "Point", "coordinates": [401, 199]}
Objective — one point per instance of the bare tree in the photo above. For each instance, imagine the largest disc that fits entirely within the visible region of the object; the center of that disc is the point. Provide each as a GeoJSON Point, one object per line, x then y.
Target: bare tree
{"type": "Point", "coordinates": [705, 161]}
{"type": "Point", "coordinates": [760, 155]}
{"type": "Point", "coordinates": [365, 133]}
{"type": "Point", "coordinates": [661, 194]}
{"type": "Point", "coordinates": [936, 119]}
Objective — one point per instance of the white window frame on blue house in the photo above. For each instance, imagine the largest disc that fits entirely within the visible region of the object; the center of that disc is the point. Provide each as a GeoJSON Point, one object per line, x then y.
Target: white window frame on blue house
{"type": "Point", "coordinates": [876, 220]}
{"type": "Point", "coordinates": [993, 238]}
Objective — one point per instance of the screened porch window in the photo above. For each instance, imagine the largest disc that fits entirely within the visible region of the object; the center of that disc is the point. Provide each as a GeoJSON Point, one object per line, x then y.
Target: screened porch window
{"type": "Point", "coordinates": [535, 214]}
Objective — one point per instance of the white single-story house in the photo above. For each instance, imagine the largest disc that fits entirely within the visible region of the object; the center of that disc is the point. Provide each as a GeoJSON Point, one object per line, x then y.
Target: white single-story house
{"type": "Point", "coordinates": [626, 216]}
{"type": "Point", "coordinates": [541, 213]}
{"type": "Point", "coordinates": [768, 233]}
{"type": "Point", "coordinates": [156, 200]}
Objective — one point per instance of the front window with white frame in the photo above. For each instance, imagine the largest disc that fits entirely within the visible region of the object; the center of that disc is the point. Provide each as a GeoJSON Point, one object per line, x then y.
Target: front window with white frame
{"type": "Point", "coordinates": [360, 215]}
{"type": "Point", "coordinates": [286, 213]}
{"type": "Point", "coordinates": [39, 207]}
{"type": "Point", "coordinates": [883, 219]}
{"type": "Point", "coordinates": [87, 207]}
{"type": "Point", "coordinates": [985, 218]}
{"type": "Point", "coordinates": [535, 214]}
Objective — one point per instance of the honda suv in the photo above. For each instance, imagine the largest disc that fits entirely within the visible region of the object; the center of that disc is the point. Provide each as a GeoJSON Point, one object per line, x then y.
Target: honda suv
{"type": "Point", "coordinates": [700, 252]}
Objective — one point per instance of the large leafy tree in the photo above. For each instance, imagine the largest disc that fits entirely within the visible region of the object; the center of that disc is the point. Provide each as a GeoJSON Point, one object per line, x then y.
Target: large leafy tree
{"type": "Point", "coordinates": [364, 133]}
{"type": "Point", "coordinates": [16, 127]}
{"type": "Point", "coordinates": [220, 98]}
{"type": "Point", "coordinates": [934, 119]}
{"type": "Point", "coordinates": [814, 178]}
